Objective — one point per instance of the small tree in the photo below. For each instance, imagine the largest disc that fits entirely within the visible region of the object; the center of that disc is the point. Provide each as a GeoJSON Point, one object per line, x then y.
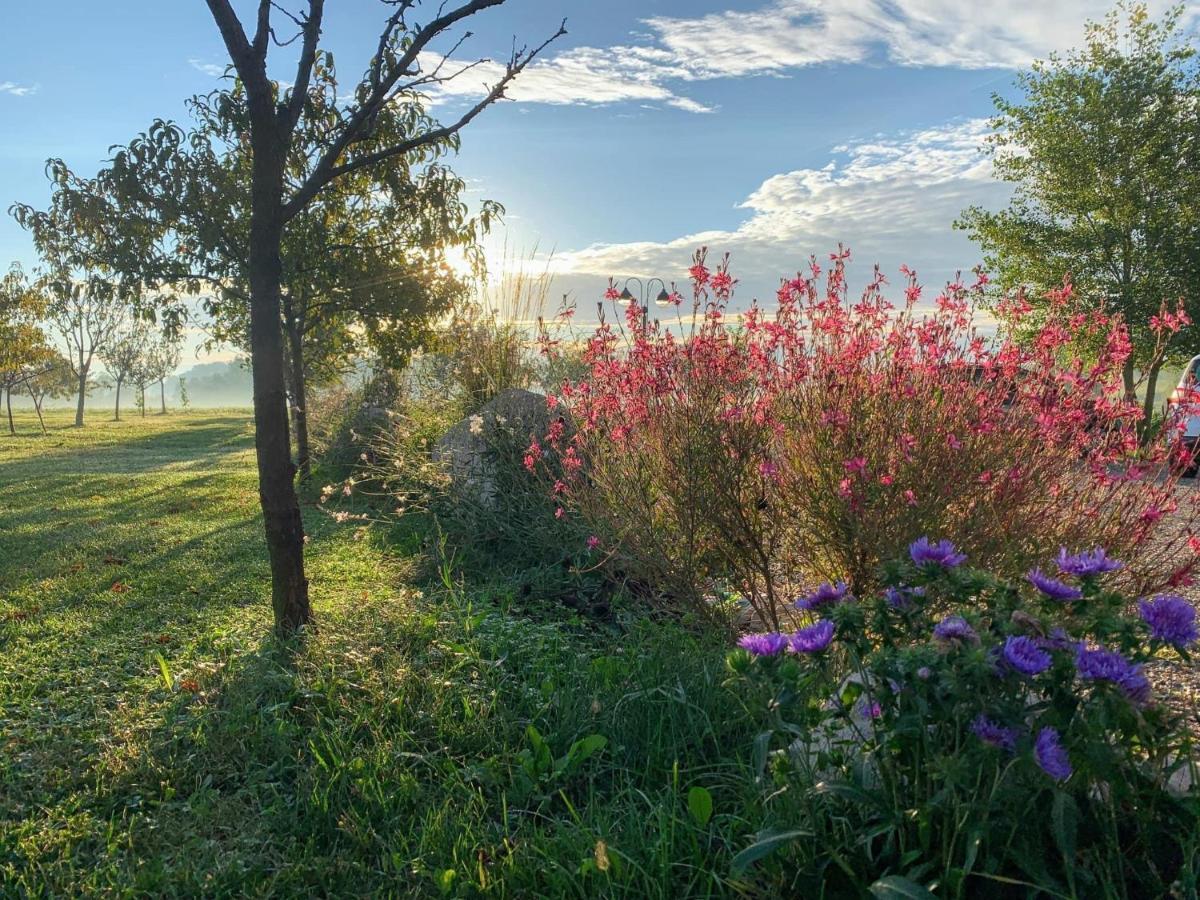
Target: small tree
{"type": "Point", "coordinates": [54, 380]}
{"type": "Point", "coordinates": [162, 359]}
{"type": "Point", "coordinates": [124, 357]}
{"type": "Point", "coordinates": [24, 350]}
{"type": "Point", "coordinates": [1104, 152]}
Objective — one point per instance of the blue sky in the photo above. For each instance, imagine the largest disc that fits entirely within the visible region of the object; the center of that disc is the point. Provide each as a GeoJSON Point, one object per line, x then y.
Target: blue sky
{"type": "Point", "coordinates": [769, 128]}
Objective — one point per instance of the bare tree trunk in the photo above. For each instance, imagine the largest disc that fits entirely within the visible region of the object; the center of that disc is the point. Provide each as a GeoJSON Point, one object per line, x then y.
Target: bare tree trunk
{"type": "Point", "coordinates": [1148, 400]}
{"type": "Point", "coordinates": [276, 487]}
{"type": "Point", "coordinates": [142, 395]}
{"type": "Point", "coordinates": [299, 395]}
{"type": "Point", "coordinates": [1127, 377]}
{"type": "Point", "coordinates": [8, 395]}
{"type": "Point", "coordinates": [162, 394]}
{"type": "Point", "coordinates": [82, 393]}
{"type": "Point", "coordinates": [117, 411]}
{"type": "Point", "coordinates": [37, 406]}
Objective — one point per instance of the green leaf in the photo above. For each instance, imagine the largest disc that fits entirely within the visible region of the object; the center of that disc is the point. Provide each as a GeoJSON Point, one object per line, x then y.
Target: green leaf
{"type": "Point", "coordinates": [165, 671]}
{"type": "Point", "coordinates": [766, 843]}
{"type": "Point", "coordinates": [585, 748]}
{"type": "Point", "coordinates": [700, 804]}
{"type": "Point", "coordinates": [897, 886]}
{"type": "Point", "coordinates": [1064, 817]}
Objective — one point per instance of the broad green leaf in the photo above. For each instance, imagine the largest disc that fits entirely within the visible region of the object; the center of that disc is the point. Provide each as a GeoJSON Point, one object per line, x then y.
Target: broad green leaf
{"type": "Point", "coordinates": [895, 887]}
{"type": "Point", "coordinates": [700, 804]}
{"type": "Point", "coordinates": [766, 843]}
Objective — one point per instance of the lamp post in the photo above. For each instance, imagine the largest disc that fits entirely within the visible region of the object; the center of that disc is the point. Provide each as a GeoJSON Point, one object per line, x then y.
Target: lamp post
{"type": "Point", "coordinates": [642, 297]}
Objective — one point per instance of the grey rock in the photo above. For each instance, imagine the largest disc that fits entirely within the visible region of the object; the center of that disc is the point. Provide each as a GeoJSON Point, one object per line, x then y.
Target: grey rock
{"type": "Point", "coordinates": [469, 450]}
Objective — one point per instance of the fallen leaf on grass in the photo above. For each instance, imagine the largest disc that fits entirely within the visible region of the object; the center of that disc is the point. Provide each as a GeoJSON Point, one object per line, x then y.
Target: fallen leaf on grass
{"type": "Point", "coordinates": [110, 560]}
{"type": "Point", "coordinates": [191, 685]}
{"type": "Point", "coordinates": [119, 587]}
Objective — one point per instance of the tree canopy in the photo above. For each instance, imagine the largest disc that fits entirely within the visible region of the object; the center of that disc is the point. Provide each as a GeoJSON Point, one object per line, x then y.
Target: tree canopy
{"type": "Point", "coordinates": [1103, 150]}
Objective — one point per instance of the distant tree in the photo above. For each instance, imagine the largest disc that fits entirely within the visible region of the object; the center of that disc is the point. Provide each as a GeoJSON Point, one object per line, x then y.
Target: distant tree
{"type": "Point", "coordinates": [24, 349]}
{"type": "Point", "coordinates": [162, 359]}
{"type": "Point", "coordinates": [53, 380]}
{"type": "Point", "coordinates": [275, 133]}
{"type": "Point", "coordinates": [124, 356]}
{"type": "Point", "coordinates": [1104, 153]}
{"type": "Point", "coordinates": [184, 400]}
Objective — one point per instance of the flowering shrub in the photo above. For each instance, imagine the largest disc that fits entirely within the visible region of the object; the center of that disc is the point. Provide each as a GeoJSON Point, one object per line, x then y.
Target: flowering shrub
{"type": "Point", "coordinates": [970, 730]}
{"type": "Point", "coordinates": [768, 451]}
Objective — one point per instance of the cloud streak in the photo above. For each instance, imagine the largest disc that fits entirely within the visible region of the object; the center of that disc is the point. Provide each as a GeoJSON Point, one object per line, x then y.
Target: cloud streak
{"type": "Point", "coordinates": [17, 90]}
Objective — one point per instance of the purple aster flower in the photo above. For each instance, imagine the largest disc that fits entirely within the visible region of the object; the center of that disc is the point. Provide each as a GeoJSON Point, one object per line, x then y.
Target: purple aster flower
{"type": "Point", "coordinates": [769, 644]}
{"type": "Point", "coordinates": [943, 553]}
{"type": "Point", "coordinates": [902, 597]}
{"type": "Point", "coordinates": [1052, 587]}
{"type": "Point", "coordinates": [995, 734]}
{"type": "Point", "coordinates": [812, 639]}
{"type": "Point", "coordinates": [955, 628]}
{"type": "Point", "coordinates": [1051, 755]}
{"type": "Point", "coordinates": [1087, 563]}
{"type": "Point", "coordinates": [1107, 665]}
{"type": "Point", "coordinates": [826, 593]}
{"type": "Point", "coordinates": [924, 673]}
{"type": "Point", "coordinates": [1024, 655]}
{"type": "Point", "coordinates": [1171, 619]}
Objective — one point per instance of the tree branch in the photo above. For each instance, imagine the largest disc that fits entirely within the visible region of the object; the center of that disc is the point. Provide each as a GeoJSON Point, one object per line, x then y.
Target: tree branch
{"type": "Point", "coordinates": [382, 83]}
{"type": "Point", "coordinates": [326, 169]}
{"type": "Point", "coordinates": [240, 51]}
{"type": "Point", "coordinates": [308, 54]}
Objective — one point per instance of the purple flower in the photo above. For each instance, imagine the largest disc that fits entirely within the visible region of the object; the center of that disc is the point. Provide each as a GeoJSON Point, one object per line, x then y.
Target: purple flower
{"type": "Point", "coordinates": [867, 709]}
{"type": "Point", "coordinates": [902, 597]}
{"type": "Point", "coordinates": [826, 593]}
{"type": "Point", "coordinates": [992, 733]}
{"type": "Point", "coordinates": [1024, 655]}
{"type": "Point", "coordinates": [924, 673]}
{"type": "Point", "coordinates": [943, 553]}
{"type": "Point", "coordinates": [812, 639]}
{"type": "Point", "coordinates": [1086, 563]}
{"type": "Point", "coordinates": [955, 628]}
{"type": "Point", "coordinates": [1108, 665]}
{"type": "Point", "coordinates": [1052, 587]}
{"type": "Point", "coordinates": [769, 644]}
{"type": "Point", "coordinates": [1051, 755]}
{"type": "Point", "coordinates": [1171, 619]}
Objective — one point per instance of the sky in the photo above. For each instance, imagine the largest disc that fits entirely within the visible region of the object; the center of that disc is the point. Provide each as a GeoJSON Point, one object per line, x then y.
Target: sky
{"type": "Point", "coordinates": [768, 129]}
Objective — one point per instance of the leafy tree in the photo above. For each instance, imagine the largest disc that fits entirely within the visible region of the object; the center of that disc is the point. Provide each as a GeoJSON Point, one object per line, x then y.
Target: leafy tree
{"type": "Point", "coordinates": [1104, 153]}
{"type": "Point", "coordinates": [124, 356]}
{"type": "Point", "coordinates": [174, 240]}
{"type": "Point", "coordinates": [363, 265]}
{"type": "Point", "coordinates": [24, 350]}
{"type": "Point", "coordinates": [54, 379]}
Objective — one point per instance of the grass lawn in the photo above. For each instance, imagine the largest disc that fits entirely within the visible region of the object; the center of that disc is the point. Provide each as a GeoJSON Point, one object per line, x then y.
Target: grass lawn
{"type": "Point", "coordinates": [154, 740]}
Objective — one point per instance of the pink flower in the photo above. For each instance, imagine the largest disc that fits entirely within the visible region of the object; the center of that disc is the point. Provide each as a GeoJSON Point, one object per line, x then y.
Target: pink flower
{"type": "Point", "coordinates": [911, 497]}
{"type": "Point", "coordinates": [593, 542]}
{"type": "Point", "coordinates": [855, 466]}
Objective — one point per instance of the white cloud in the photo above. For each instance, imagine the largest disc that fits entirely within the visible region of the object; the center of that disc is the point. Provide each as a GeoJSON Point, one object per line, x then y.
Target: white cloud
{"type": "Point", "coordinates": [580, 75]}
{"type": "Point", "coordinates": [213, 70]}
{"type": "Point", "coordinates": [789, 34]}
{"type": "Point", "coordinates": [17, 90]}
{"type": "Point", "coordinates": [785, 35]}
{"type": "Point", "coordinates": [891, 201]}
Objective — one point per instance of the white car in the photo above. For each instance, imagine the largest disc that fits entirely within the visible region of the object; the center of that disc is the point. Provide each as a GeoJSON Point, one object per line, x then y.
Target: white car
{"type": "Point", "coordinates": [1183, 410]}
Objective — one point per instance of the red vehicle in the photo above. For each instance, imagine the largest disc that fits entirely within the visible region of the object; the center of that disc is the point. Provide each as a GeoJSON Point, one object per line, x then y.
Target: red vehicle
{"type": "Point", "coordinates": [1183, 411]}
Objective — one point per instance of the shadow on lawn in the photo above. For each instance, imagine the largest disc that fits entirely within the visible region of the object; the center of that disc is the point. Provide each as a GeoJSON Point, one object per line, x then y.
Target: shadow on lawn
{"type": "Point", "coordinates": [194, 445]}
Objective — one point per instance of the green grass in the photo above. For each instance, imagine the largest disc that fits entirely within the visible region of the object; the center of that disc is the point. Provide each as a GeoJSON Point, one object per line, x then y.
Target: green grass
{"type": "Point", "coordinates": [154, 741]}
